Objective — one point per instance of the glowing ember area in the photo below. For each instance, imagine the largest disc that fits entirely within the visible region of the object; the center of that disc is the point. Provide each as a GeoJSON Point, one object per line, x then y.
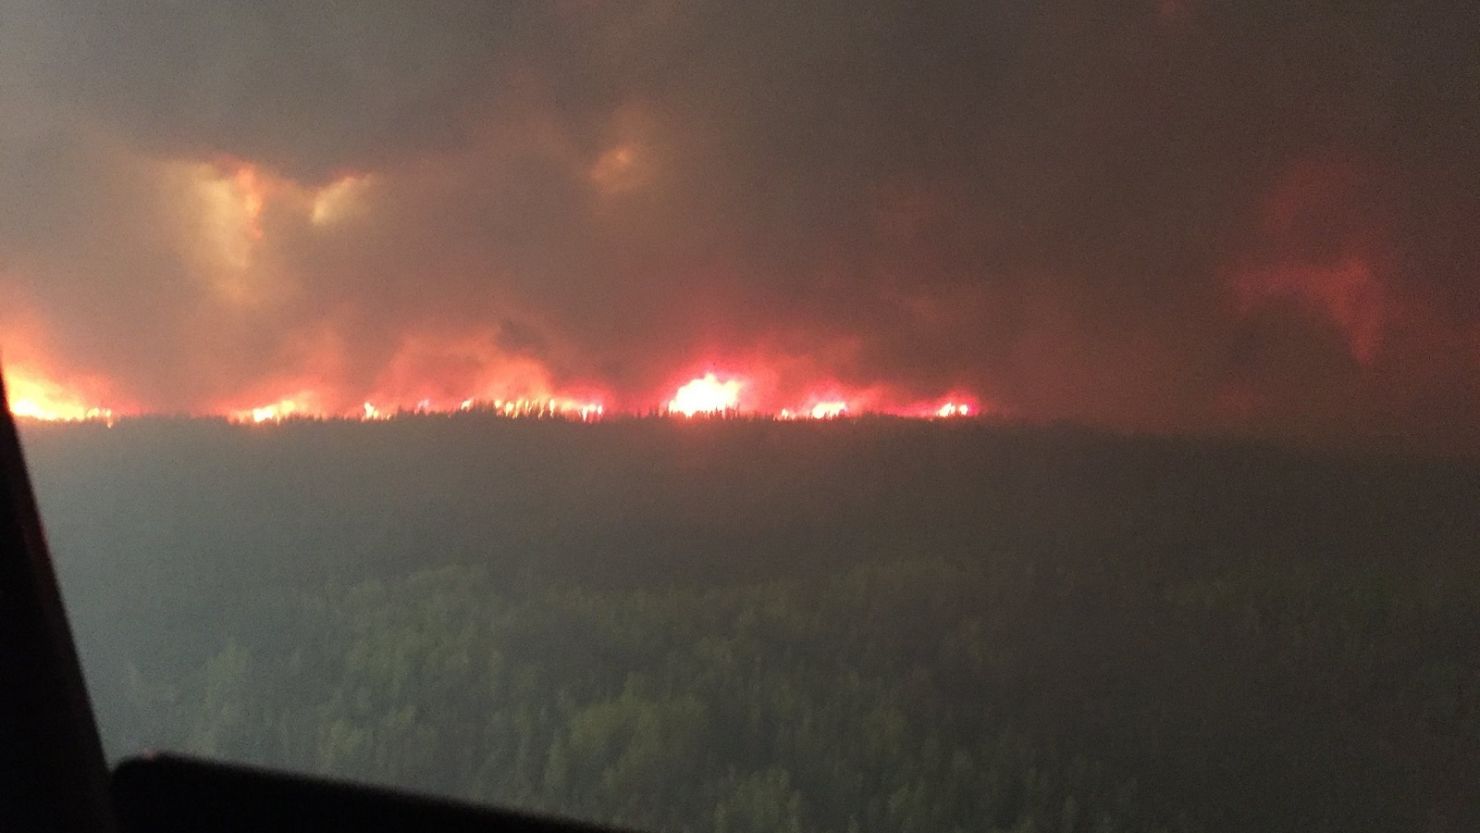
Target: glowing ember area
{"type": "Point", "coordinates": [539, 408]}
{"type": "Point", "coordinates": [829, 410]}
{"type": "Point", "coordinates": [826, 409]}
{"type": "Point", "coordinates": [706, 395]}
{"type": "Point", "coordinates": [822, 410]}
{"type": "Point", "coordinates": [520, 388]}
{"type": "Point", "coordinates": [35, 397]}
{"type": "Point", "coordinates": [275, 412]}
{"type": "Point", "coordinates": [542, 408]}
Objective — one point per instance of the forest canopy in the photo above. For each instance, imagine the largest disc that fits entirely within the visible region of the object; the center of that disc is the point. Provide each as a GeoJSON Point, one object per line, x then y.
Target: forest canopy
{"type": "Point", "coordinates": [757, 626]}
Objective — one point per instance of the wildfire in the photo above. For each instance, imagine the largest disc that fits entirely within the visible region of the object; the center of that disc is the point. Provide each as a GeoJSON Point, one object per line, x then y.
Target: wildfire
{"type": "Point", "coordinates": [710, 394]}
{"type": "Point", "coordinates": [554, 408]}
{"type": "Point", "coordinates": [32, 396]}
{"type": "Point", "coordinates": [412, 394]}
{"type": "Point", "coordinates": [292, 408]}
{"type": "Point", "coordinates": [829, 409]}
{"type": "Point", "coordinates": [275, 412]}
{"type": "Point", "coordinates": [706, 395]}
{"type": "Point", "coordinates": [36, 397]}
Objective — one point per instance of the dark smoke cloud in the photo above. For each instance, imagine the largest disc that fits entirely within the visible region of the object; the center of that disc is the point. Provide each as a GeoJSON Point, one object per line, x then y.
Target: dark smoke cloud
{"type": "Point", "coordinates": [1167, 216]}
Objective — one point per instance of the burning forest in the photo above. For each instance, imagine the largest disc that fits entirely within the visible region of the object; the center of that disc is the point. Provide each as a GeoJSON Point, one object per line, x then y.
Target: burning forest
{"type": "Point", "coordinates": [1176, 217]}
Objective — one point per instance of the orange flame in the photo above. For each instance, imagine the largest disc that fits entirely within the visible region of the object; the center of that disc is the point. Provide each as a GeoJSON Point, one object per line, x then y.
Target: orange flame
{"type": "Point", "coordinates": [422, 381]}
{"type": "Point", "coordinates": [821, 410]}
{"type": "Point", "coordinates": [303, 407]}
{"type": "Point", "coordinates": [34, 396]}
{"type": "Point", "coordinates": [287, 408]}
{"type": "Point", "coordinates": [829, 410]}
{"type": "Point", "coordinates": [706, 395]}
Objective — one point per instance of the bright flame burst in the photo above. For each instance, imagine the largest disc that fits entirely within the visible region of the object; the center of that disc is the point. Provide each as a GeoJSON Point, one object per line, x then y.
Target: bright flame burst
{"type": "Point", "coordinates": [827, 409]}
{"type": "Point", "coordinates": [706, 395]}
{"type": "Point", "coordinates": [32, 396]}
{"type": "Point", "coordinates": [953, 409]}
{"type": "Point", "coordinates": [275, 412]}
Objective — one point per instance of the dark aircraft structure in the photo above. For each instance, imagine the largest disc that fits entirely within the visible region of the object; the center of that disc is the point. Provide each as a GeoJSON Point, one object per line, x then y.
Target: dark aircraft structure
{"type": "Point", "coordinates": [55, 778]}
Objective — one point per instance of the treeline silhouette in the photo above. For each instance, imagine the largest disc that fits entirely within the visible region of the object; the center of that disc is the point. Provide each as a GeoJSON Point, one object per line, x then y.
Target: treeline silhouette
{"type": "Point", "coordinates": [756, 626]}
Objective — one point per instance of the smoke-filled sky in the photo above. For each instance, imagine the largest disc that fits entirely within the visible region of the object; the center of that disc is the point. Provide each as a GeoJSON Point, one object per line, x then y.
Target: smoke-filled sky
{"type": "Point", "coordinates": [1179, 216]}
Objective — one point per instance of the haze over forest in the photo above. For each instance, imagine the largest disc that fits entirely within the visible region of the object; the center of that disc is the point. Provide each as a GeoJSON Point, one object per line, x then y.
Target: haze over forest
{"type": "Point", "coordinates": [757, 626]}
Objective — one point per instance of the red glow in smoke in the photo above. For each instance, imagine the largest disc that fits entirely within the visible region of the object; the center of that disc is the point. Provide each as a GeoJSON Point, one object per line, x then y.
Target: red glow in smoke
{"type": "Point", "coordinates": [1320, 244]}
{"type": "Point", "coordinates": [1347, 293]}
